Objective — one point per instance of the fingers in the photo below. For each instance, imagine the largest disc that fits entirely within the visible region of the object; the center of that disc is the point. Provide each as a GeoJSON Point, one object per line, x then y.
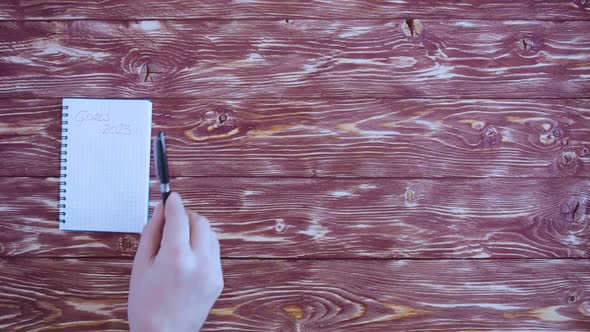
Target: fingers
{"type": "Point", "coordinates": [201, 236]}
{"type": "Point", "coordinates": [149, 244]}
{"type": "Point", "coordinates": [215, 248]}
{"type": "Point", "coordinates": [176, 232]}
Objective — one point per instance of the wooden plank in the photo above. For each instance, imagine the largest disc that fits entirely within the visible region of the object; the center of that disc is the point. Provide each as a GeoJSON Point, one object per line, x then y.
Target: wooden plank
{"type": "Point", "coordinates": [482, 295]}
{"type": "Point", "coordinates": [296, 59]}
{"type": "Point", "coordinates": [327, 218]}
{"type": "Point", "coordinates": [333, 138]}
{"type": "Point", "coordinates": [30, 132]}
{"type": "Point", "coordinates": [260, 9]}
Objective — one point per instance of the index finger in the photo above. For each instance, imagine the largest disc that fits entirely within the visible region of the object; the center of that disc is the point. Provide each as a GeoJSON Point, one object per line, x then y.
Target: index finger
{"type": "Point", "coordinates": [149, 244]}
{"type": "Point", "coordinates": [200, 233]}
{"type": "Point", "coordinates": [176, 232]}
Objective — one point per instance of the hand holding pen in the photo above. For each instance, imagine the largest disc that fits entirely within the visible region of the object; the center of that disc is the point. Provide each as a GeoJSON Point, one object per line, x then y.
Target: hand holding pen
{"type": "Point", "coordinates": [176, 276]}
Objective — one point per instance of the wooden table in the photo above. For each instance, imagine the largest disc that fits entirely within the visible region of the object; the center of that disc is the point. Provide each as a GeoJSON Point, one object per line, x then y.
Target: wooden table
{"type": "Point", "coordinates": [369, 166]}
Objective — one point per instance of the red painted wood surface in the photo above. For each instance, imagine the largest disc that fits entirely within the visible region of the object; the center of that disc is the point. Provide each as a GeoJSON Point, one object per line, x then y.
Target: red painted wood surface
{"type": "Point", "coordinates": [333, 138]}
{"type": "Point", "coordinates": [464, 295]}
{"type": "Point", "coordinates": [298, 59]}
{"type": "Point", "coordinates": [263, 9]}
{"type": "Point", "coordinates": [328, 218]}
{"type": "Point", "coordinates": [369, 165]}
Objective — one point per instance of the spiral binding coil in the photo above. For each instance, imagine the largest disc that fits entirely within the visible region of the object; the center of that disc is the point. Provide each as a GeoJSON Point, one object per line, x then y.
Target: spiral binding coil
{"type": "Point", "coordinates": [63, 167]}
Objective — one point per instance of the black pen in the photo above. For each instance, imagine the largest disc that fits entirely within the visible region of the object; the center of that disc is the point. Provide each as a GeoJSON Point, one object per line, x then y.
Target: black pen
{"type": "Point", "coordinates": [161, 162]}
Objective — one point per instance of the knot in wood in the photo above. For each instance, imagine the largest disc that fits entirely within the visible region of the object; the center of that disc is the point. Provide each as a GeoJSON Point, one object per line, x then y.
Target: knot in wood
{"type": "Point", "coordinates": [150, 64]}
{"type": "Point", "coordinates": [221, 119]}
{"type": "Point", "coordinates": [412, 28]}
{"type": "Point", "coordinates": [573, 209]}
{"type": "Point", "coordinates": [568, 163]}
{"type": "Point", "coordinates": [557, 133]}
{"type": "Point", "coordinates": [490, 136]}
{"type": "Point", "coordinates": [149, 73]}
{"type": "Point", "coordinates": [280, 226]}
{"type": "Point", "coordinates": [582, 4]}
{"type": "Point", "coordinates": [525, 44]}
{"type": "Point", "coordinates": [568, 158]}
{"type": "Point", "coordinates": [410, 197]}
{"type": "Point", "coordinates": [294, 311]}
{"type": "Point", "coordinates": [571, 297]}
{"type": "Point", "coordinates": [215, 125]}
{"type": "Point", "coordinates": [127, 243]}
{"type": "Point", "coordinates": [491, 132]}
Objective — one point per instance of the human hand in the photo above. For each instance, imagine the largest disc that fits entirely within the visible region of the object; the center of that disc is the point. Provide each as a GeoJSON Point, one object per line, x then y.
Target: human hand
{"type": "Point", "coordinates": [176, 276]}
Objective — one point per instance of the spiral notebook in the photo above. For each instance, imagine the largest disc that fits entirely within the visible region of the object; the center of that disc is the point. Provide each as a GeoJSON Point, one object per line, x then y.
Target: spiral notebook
{"type": "Point", "coordinates": [105, 158]}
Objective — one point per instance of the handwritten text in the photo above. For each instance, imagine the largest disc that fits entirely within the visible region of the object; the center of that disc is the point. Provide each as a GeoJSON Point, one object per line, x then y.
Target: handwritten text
{"type": "Point", "coordinates": [118, 129]}
{"type": "Point", "coordinates": [85, 116]}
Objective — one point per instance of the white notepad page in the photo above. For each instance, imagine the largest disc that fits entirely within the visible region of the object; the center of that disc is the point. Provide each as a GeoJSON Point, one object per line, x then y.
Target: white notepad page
{"type": "Point", "coordinates": [104, 183]}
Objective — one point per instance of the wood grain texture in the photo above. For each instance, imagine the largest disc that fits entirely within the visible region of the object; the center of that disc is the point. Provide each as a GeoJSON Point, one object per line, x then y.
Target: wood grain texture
{"type": "Point", "coordinates": [75, 295]}
{"type": "Point", "coordinates": [313, 218]}
{"type": "Point", "coordinates": [264, 9]}
{"type": "Point", "coordinates": [345, 133]}
{"type": "Point", "coordinates": [333, 138]}
{"type": "Point", "coordinates": [298, 59]}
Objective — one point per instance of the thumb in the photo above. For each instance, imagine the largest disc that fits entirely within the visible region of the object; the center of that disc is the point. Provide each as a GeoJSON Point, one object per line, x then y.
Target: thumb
{"type": "Point", "coordinates": [176, 228]}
